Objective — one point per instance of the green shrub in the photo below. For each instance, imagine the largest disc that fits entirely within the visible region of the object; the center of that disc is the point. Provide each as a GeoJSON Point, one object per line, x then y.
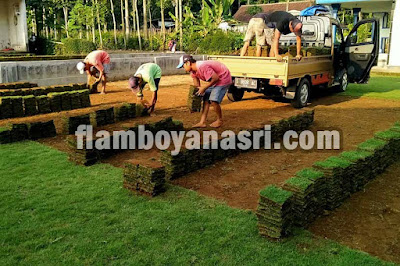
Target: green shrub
{"type": "Point", "coordinates": [220, 42]}
{"type": "Point", "coordinates": [252, 10]}
{"type": "Point", "coordinates": [77, 46]}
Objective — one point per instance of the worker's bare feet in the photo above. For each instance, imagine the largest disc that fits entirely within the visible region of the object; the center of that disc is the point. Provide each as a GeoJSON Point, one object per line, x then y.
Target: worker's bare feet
{"type": "Point", "coordinates": [216, 124]}
{"type": "Point", "coordinates": [200, 125]}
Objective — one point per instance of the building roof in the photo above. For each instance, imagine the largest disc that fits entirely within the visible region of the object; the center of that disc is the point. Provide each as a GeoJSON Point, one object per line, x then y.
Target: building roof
{"type": "Point", "coordinates": [243, 16]}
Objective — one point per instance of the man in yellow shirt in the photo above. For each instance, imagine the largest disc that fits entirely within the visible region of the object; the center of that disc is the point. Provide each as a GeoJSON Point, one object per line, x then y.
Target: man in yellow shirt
{"type": "Point", "coordinates": [147, 73]}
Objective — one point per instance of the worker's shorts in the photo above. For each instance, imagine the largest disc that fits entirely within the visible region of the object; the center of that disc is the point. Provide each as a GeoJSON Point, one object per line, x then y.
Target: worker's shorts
{"type": "Point", "coordinates": [257, 28]}
{"type": "Point", "coordinates": [216, 93]}
{"type": "Point", "coordinates": [107, 68]}
{"type": "Point", "coordinates": [269, 35]}
{"type": "Point", "coordinates": [140, 92]}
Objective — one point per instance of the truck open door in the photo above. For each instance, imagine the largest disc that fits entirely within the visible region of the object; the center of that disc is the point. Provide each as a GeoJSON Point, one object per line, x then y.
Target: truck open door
{"type": "Point", "coordinates": [361, 50]}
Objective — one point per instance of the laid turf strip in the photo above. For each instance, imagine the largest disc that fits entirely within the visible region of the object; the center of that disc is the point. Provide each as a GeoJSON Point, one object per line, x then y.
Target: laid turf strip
{"type": "Point", "coordinates": [56, 212]}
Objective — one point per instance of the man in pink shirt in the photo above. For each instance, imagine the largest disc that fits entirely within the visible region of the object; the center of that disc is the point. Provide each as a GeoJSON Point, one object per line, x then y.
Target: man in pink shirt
{"type": "Point", "coordinates": [217, 81]}
{"type": "Point", "coordinates": [96, 62]}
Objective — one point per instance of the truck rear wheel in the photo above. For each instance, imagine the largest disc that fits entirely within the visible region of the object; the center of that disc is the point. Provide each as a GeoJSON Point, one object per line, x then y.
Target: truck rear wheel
{"type": "Point", "coordinates": [302, 94]}
{"type": "Point", "coordinates": [235, 94]}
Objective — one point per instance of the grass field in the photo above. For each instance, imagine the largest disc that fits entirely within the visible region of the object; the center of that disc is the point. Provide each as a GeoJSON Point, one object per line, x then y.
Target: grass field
{"type": "Point", "coordinates": [384, 87]}
{"type": "Point", "coordinates": [54, 212]}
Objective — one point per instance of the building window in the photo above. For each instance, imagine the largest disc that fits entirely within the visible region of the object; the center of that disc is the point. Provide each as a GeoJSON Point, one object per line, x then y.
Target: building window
{"type": "Point", "coordinates": [385, 21]}
{"type": "Point", "coordinates": [384, 45]}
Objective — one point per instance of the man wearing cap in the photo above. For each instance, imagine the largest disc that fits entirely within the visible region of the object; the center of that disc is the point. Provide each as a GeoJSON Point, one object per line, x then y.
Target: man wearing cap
{"type": "Point", "coordinates": [96, 61]}
{"type": "Point", "coordinates": [148, 73]}
{"type": "Point", "coordinates": [218, 79]}
{"type": "Point", "coordinates": [278, 23]}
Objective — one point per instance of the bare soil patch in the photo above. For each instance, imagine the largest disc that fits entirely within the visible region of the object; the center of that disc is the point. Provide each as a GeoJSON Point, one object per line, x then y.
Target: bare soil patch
{"type": "Point", "coordinates": [370, 219]}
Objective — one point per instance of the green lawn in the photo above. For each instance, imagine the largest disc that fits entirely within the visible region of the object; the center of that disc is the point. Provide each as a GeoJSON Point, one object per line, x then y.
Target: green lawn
{"type": "Point", "coordinates": [53, 212]}
{"type": "Point", "coordinates": [385, 87]}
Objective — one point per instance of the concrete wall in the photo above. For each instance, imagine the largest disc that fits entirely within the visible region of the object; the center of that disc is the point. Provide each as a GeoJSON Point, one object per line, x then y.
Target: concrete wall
{"type": "Point", "coordinates": [61, 72]}
{"type": "Point", "coordinates": [13, 25]}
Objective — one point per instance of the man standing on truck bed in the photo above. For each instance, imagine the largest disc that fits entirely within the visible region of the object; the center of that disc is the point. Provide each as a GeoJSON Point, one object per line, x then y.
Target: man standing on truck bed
{"type": "Point", "coordinates": [276, 24]}
{"type": "Point", "coordinates": [218, 79]}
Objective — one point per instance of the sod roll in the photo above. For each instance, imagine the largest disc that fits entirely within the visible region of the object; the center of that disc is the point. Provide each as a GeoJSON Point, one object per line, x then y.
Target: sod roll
{"type": "Point", "coordinates": [194, 102]}
{"type": "Point", "coordinates": [275, 212]}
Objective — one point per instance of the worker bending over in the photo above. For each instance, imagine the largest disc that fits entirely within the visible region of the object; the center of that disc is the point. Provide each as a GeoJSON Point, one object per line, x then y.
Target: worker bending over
{"type": "Point", "coordinates": [148, 73]}
{"type": "Point", "coordinates": [278, 23]}
{"type": "Point", "coordinates": [217, 81]}
{"type": "Point", "coordinates": [96, 62]}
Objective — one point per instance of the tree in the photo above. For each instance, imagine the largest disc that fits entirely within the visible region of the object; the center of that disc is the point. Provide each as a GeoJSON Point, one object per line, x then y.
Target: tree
{"type": "Point", "coordinates": [123, 22]}
{"type": "Point", "coordinates": [98, 22]}
{"type": "Point", "coordinates": [127, 30]}
{"type": "Point", "coordinates": [162, 23]}
{"type": "Point", "coordinates": [138, 25]}
{"type": "Point", "coordinates": [114, 21]}
{"type": "Point", "coordinates": [145, 18]}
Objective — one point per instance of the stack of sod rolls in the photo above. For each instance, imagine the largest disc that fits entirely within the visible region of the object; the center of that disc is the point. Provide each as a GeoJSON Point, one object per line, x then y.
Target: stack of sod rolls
{"type": "Point", "coordinates": [194, 102]}
{"type": "Point", "coordinates": [319, 190]}
{"type": "Point", "coordinates": [34, 131]}
{"type": "Point", "coordinates": [274, 212]}
{"type": "Point", "coordinates": [85, 155]}
{"type": "Point", "coordinates": [304, 203]}
{"type": "Point", "coordinates": [338, 174]}
{"type": "Point", "coordinates": [71, 123]}
{"type": "Point", "coordinates": [379, 148]}
{"type": "Point", "coordinates": [43, 104]}
{"type": "Point", "coordinates": [103, 117]}
{"type": "Point", "coordinates": [174, 165]}
{"type": "Point", "coordinates": [362, 172]}
{"type": "Point", "coordinates": [40, 130]}
{"type": "Point", "coordinates": [145, 179]}
{"type": "Point", "coordinates": [30, 105]}
{"type": "Point", "coordinates": [125, 111]}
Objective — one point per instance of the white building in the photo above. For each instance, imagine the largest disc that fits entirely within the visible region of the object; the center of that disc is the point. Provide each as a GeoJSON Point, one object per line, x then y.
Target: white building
{"type": "Point", "coordinates": [13, 25]}
{"type": "Point", "coordinates": [388, 14]}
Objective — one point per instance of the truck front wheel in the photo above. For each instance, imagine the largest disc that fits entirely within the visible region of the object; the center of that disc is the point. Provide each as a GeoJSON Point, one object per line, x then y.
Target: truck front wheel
{"type": "Point", "coordinates": [344, 81]}
{"type": "Point", "coordinates": [235, 94]}
{"type": "Point", "coordinates": [302, 94]}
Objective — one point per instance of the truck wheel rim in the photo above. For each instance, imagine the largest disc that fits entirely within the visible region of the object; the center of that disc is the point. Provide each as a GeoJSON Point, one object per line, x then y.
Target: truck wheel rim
{"type": "Point", "coordinates": [344, 81]}
{"type": "Point", "coordinates": [304, 93]}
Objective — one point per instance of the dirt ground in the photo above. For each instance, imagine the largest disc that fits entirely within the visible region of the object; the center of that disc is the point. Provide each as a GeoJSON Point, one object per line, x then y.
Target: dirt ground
{"type": "Point", "coordinates": [370, 220]}
{"type": "Point", "coordinates": [237, 180]}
